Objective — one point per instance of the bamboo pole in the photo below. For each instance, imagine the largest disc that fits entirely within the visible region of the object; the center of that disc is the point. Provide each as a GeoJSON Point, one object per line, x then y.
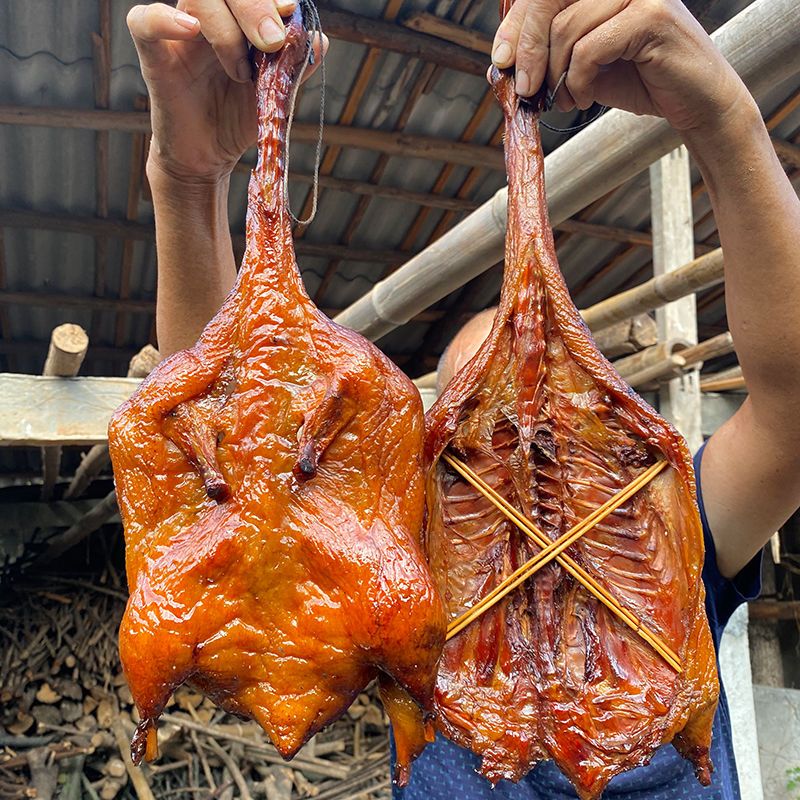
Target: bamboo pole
{"type": "Point", "coordinates": [700, 273]}
{"type": "Point", "coordinates": [714, 347]}
{"type": "Point", "coordinates": [729, 380]}
{"type": "Point", "coordinates": [68, 346]}
{"type": "Point", "coordinates": [674, 360]}
{"type": "Point", "coordinates": [131, 229]}
{"type": "Point", "coordinates": [649, 357]}
{"type": "Point", "coordinates": [672, 366]}
{"type": "Point", "coordinates": [763, 45]}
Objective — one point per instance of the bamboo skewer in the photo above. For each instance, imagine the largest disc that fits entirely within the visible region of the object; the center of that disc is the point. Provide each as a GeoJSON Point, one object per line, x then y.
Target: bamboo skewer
{"type": "Point", "coordinates": [550, 548]}
{"type": "Point", "coordinates": [553, 549]}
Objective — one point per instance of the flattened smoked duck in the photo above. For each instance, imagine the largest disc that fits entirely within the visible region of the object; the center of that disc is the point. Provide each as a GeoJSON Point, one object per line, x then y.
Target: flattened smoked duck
{"type": "Point", "coordinates": [549, 672]}
{"type": "Point", "coordinates": [271, 487]}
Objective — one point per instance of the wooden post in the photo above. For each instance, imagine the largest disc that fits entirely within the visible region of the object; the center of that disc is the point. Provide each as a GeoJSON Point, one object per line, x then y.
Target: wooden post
{"type": "Point", "coordinates": [97, 458]}
{"type": "Point", "coordinates": [68, 346]}
{"type": "Point", "coordinates": [765, 647]}
{"type": "Point", "coordinates": [673, 246]}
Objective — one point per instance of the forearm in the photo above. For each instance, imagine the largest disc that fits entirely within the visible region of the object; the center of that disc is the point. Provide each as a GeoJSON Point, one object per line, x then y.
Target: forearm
{"type": "Point", "coordinates": [196, 268]}
{"type": "Point", "coordinates": [758, 217]}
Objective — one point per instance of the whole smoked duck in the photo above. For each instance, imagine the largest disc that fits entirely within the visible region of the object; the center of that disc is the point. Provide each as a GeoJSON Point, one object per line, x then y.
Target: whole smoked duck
{"type": "Point", "coordinates": [271, 487]}
{"type": "Point", "coordinates": [549, 672]}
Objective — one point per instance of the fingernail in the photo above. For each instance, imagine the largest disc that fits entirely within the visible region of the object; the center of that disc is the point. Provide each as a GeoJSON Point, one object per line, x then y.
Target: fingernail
{"type": "Point", "coordinates": [270, 32]}
{"type": "Point", "coordinates": [523, 83]}
{"type": "Point", "coordinates": [186, 20]}
{"type": "Point", "coordinates": [243, 70]}
{"type": "Point", "coordinates": [502, 54]}
{"type": "Point", "coordinates": [286, 8]}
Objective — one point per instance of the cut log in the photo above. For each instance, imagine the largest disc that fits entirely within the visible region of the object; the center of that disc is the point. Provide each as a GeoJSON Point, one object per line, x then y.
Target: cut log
{"type": "Point", "coordinates": [627, 336]}
{"type": "Point", "coordinates": [68, 346]}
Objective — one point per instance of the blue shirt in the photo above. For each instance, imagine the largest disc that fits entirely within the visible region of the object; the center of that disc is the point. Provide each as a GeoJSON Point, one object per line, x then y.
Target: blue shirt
{"type": "Point", "coordinates": [446, 771]}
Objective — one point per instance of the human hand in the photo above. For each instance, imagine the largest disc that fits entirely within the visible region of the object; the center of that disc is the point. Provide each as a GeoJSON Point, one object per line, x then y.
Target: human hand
{"type": "Point", "coordinates": [195, 63]}
{"type": "Point", "coordinates": [644, 56]}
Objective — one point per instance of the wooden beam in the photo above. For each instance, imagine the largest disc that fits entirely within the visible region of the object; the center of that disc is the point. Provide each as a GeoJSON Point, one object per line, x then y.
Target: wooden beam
{"type": "Point", "coordinates": [433, 25]}
{"type": "Point", "coordinates": [359, 29]}
{"type": "Point", "coordinates": [390, 143]}
{"type": "Point", "coordinates": [69, 301]}
{"type": "Point", "coordinates": [387, 192]}
{"type": "Point", "coordinates": [43, 411]}
{"type": "Point", "coordinates": [130, 229]}
{"type": "Point", "coordinates": [614, 233]}
{"type": "Point", "coordinates": [774, 609]}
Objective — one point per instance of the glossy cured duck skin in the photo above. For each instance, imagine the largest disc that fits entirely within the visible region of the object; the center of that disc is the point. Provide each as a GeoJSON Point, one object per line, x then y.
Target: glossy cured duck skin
{"type": "Point", "coordinates": [271, 487]}
{"type": "Point", "coordinates": [541, 416]}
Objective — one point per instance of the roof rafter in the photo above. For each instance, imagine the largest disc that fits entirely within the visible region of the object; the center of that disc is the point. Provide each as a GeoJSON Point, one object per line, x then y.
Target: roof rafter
{"type": "Point", "coordinates": [389, 143]}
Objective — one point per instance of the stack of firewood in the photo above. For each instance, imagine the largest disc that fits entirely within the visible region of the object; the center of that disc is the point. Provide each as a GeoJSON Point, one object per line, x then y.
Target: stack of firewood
{"type": "Point", "coordinates": [66, 718]}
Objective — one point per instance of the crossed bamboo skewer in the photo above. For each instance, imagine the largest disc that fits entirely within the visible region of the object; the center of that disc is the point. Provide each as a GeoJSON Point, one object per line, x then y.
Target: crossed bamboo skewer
{"type": "Point", "coordinates": [554, 550]}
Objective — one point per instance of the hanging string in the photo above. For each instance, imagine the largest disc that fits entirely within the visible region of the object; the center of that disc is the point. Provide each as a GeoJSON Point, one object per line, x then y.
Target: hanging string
{"type": "Point", "coordinates": [314, 27]}
{"type": "Point", "coordinates": [550, 102]}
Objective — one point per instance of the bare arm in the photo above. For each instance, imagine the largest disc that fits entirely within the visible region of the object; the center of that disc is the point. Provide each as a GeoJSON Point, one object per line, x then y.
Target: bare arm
{"type": "Point", "coordinates": [196, 269]}
{"type": "Point", "coordinates": [652, 57]}
{"type": "Point", "coordinates": [751, 466]}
